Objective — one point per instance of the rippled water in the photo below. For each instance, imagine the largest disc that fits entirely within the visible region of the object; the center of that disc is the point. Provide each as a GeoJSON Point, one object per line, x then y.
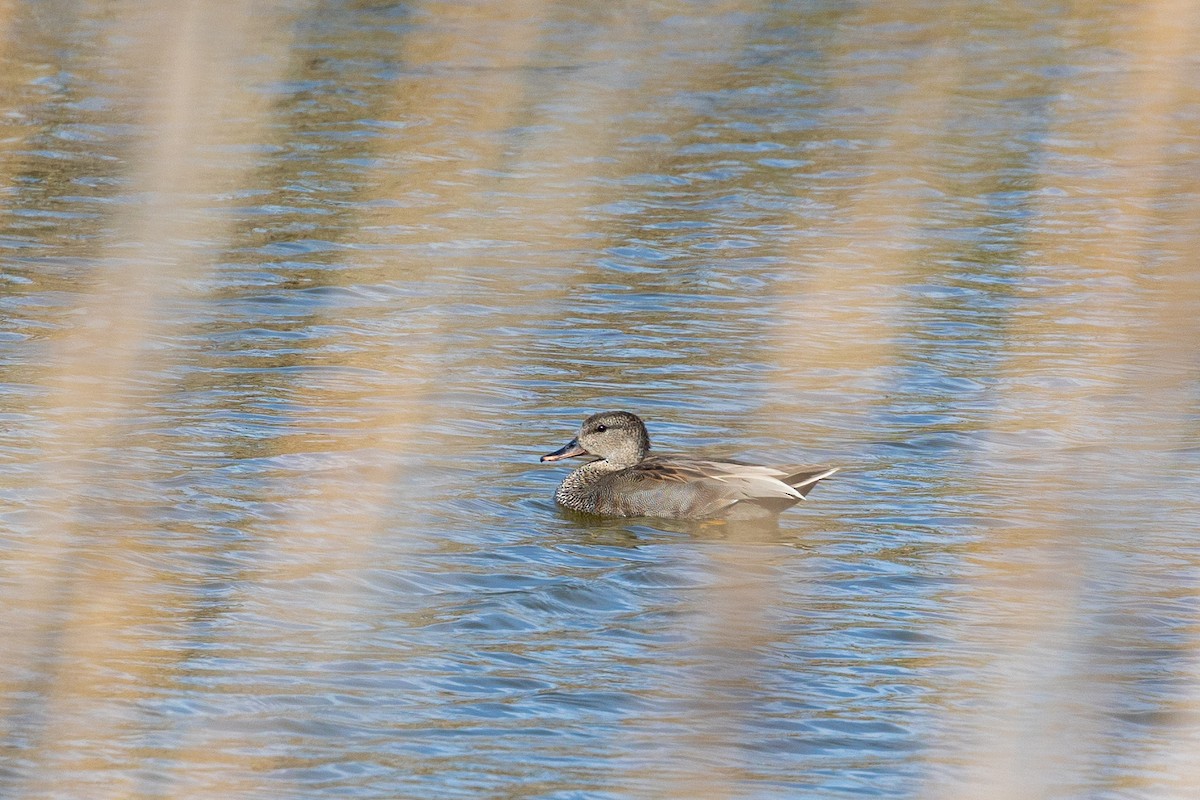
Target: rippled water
{"type": "Point", "coordinates": [288, 317]}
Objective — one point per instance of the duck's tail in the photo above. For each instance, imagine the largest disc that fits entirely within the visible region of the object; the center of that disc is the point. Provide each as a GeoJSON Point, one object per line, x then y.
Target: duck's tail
{"type": "Point", "coordinates": [804, 480]}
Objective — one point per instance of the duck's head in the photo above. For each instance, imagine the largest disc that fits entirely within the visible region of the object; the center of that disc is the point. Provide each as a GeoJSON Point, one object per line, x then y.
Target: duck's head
{"type": "Point", "coordinates": [618, 437]}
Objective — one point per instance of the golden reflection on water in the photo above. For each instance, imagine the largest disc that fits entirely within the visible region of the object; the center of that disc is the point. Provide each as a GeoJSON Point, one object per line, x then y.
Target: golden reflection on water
{"type": "Point", "coordinates": [490, 161]}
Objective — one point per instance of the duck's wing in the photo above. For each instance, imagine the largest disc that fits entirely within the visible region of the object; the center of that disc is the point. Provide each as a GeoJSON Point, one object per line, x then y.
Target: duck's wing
{"type": "Point", "coordinates": [710, 488]}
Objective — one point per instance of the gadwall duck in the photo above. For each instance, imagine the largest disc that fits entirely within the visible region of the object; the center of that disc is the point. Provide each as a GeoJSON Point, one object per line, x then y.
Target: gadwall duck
{"type": "Point", "coordinates": [626, 481]}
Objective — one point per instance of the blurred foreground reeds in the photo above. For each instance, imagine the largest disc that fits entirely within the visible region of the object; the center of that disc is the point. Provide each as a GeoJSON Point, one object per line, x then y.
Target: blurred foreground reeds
{"type": "Point", "coordinates": [1070, 438]}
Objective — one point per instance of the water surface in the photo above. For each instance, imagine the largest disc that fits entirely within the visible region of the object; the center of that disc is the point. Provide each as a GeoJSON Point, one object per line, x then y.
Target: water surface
{"type": "Point", "coordinates": [289, 313]}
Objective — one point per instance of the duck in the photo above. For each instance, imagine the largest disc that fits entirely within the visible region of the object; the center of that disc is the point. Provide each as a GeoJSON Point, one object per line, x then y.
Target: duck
{"type": "Point", "coordinates": [625, 480]}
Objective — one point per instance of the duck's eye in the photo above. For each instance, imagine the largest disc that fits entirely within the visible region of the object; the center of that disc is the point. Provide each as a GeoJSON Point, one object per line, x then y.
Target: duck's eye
{"type": "Point", "coordinates": [601, 428]}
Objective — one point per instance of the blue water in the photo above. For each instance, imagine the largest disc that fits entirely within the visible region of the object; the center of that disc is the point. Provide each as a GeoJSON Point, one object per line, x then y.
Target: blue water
{"type": "Point", "coordinates": [299, 544]}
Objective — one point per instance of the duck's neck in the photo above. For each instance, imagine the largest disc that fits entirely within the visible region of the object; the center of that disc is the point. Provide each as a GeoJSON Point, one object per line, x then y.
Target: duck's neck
{"type": "Point", "coordinates": [573, 489]}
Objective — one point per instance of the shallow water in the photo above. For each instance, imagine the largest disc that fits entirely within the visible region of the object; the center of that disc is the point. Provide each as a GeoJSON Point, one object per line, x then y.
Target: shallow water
{"type": "Point", "coordinates": [277, 360]}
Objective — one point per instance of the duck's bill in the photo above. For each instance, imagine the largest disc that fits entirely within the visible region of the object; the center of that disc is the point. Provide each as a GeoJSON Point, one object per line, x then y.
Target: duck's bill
{"type": "Point", "coordinates": [570, 450]}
